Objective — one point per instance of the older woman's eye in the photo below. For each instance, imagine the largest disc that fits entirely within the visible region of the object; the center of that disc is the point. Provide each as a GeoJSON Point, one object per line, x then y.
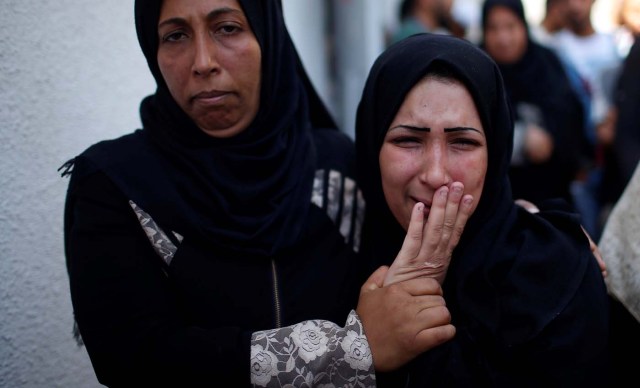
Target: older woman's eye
{"type": "Point", "coordinates": [174, 36]}
{"type": "Point", "coordinates": [228, 29]}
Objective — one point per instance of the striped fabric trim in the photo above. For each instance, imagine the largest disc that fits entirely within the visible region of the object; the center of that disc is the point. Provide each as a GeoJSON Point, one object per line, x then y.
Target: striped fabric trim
{"type": "Point", "coordinates": [340, 197]}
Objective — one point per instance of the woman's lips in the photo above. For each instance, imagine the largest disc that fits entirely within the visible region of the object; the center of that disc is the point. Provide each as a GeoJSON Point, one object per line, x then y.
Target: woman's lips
{"type": "Point", "coordinates": [209, 97]}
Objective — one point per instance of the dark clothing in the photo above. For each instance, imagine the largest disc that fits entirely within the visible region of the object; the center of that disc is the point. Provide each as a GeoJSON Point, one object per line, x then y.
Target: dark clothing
{"type": "Point", "coordinates": [154, 323]}
{"type": "Point", "coordinates": [538, 80]}
{"type": "Point", "coordinates": [179, 245]}
{"type": "Point", "coordinates": [525, 293]}
{"type": "Point", "coordinates": [624, 337]}
{"type": "Point", "coordinates": [622, 158]}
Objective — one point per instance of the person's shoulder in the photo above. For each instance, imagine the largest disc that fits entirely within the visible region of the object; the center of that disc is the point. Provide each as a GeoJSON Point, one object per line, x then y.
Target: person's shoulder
{"type": "Point", "coordinates": [550, 55]}
{"type": "Point", "coordinates": [104, 154]}
{"type": "Point", "coordinates": [335, 150]}
{"type": "Point", "coordinates": [114, 147]}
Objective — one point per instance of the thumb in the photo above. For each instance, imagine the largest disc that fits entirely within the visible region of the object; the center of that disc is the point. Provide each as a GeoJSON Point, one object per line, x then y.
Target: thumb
{"type": "Point", "coordinates": [376, 279]}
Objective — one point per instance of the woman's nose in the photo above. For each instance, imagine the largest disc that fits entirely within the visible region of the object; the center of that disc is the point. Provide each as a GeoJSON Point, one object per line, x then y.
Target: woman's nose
{"type": "Point", "coordinates": [204, 61]}
{"type": "Point", "coordinates": [434, 171]}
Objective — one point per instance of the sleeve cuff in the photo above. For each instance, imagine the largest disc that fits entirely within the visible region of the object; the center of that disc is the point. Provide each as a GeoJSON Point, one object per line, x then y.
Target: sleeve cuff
{"type": "Point", "coordinates": [312, 353]}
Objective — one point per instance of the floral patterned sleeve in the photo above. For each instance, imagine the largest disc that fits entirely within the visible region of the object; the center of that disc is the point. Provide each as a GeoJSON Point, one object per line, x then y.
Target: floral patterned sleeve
{"type": "Point", "coordinates": [312, 353]}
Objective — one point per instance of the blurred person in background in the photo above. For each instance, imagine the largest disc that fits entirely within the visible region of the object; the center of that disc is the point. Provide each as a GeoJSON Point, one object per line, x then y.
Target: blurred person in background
{"type": "Point", "coordinates": [595, 57]}
{"type": "Point", "coordinates": [621, 138]}
{"type": "Point", "coordinates": [434, 16]}
{"type": "Point", "coordinates": [628, 25]}
{"type": "Point", "coordinates": [554, 20]}
{"type": "Point", "coordinates": [549, 142]}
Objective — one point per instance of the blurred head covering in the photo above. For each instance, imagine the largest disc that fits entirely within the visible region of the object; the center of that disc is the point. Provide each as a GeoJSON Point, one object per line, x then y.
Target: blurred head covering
{"type": "Point", "coordinates": [514, 5]}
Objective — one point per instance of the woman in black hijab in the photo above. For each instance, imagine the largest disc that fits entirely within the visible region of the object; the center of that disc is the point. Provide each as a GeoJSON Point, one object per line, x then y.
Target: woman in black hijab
{"type": "Point", "coordinates": [233, 211]}
{"type": "Point", "coordinates": [526, 296]}
{"type": "Point", "coordinates": [550, 146]}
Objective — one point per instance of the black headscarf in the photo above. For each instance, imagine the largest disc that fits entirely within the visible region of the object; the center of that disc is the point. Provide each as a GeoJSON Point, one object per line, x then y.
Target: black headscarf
{"type": "Point", "coordinates": [512, 272]}
{"type": "Point", "coordinates": [248, 193]}
{"type": "Point", "coordinates": [515, 6]}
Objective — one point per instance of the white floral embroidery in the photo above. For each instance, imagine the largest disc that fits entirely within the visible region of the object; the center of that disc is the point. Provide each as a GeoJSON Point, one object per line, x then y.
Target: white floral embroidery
{"type": "Point", "coordinates": [313, 353]}
{"type": "Point", "coordinates": [264, 365]}
{"type": "Point", "coordinates": [312, 341]}
{"type": "Point", "coordinates": [356, 351]}
{"type": "Point", "coordinates": [159, 240]}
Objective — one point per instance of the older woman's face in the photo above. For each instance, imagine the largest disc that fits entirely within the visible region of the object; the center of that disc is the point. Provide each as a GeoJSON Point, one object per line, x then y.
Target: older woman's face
{"type": "Point", "coordinates": [505, 35]}
{"type": "Point", "coordinates": [210, 60]}
{"type": "Point", "coordinates": [435, 139]}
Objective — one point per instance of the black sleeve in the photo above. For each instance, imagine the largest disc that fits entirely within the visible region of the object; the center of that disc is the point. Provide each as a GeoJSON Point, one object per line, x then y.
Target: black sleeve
{"type": "Point", "coordinates": [124, 305]}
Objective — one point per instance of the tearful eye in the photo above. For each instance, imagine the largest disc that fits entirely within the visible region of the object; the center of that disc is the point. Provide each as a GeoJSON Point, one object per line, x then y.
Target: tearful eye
{"type": "Point", "coordinates": [405, 140]}
{"type": "Point", "coordinates": [466, 142]}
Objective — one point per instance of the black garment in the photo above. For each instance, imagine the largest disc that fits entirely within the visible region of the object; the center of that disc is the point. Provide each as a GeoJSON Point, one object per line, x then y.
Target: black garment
{"type": "Point", "coordinates": [624, 338]}
{"type": "Point", "coordinates": [541, 93]}
{"type": "Point", "coordinates": [622, 158]}
{"type": "Point", "coordinates": [189, 323]}
{"type": "Point", "coordinates": [525, 293]}
{"type": "Point", "coordinates": [229, 236]}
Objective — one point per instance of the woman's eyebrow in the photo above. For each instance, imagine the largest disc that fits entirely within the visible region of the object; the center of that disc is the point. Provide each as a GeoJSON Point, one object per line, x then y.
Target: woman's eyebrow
{"type": "Point", "coordinates": [411, 128]}
{"type": "Point", "coordinates": [427, 129]}
{"type": "Point", "coordinates": [210, 16]}
{"type": "Point", "coordinates": [457, 129]}
{"type": "Point", "coordinates": [221, 11]}
{"type": "Point", "coordinates": [172, 21]}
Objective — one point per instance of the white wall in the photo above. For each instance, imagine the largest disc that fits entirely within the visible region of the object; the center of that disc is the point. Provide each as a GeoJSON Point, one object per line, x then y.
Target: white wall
{"type": "Point", "coordinates": [71, 73]}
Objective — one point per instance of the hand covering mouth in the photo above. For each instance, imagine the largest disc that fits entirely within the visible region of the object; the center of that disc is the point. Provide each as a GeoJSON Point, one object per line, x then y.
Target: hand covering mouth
{"type": "Point", "coordinates": [426, 203]}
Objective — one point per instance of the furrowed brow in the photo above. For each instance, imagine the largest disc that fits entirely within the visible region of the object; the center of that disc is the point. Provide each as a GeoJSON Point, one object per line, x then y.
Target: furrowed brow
{"type": "Point", "coordinates": [458, 129]}
{"type": "Point", "coordinates": [412, 128]}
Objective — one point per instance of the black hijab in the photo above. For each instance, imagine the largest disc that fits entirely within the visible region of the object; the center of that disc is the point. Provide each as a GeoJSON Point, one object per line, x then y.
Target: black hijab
{"type": "Point", "coordinates": [249, 193]}
{"type": "Point", "coordinates": [512, 271]}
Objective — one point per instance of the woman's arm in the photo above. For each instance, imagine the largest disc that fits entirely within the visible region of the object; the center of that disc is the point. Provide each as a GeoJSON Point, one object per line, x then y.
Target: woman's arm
{"type": "Point", "coordinates": [127, 311]}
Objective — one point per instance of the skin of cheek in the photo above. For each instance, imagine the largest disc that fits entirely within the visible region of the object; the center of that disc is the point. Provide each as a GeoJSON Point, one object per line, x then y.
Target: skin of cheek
{"type": "Point", "coordinates": [396, 173]}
